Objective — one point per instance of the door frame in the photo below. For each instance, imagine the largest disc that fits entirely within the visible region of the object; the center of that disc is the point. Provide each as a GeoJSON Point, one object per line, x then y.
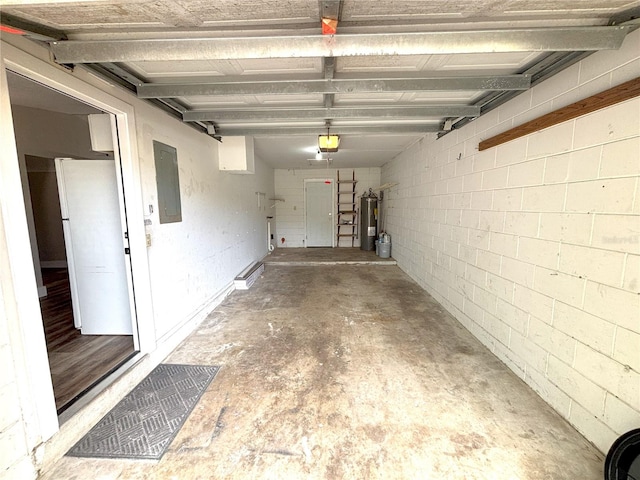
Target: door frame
{"type": "Point", "coordinates": [333, 209]}
{"type": "Point", "coordinates": [24, 320]}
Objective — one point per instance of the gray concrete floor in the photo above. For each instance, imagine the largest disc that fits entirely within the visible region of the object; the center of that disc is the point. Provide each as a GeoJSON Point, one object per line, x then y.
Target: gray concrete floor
{"type": "Point", "coordinates": [352, 372]}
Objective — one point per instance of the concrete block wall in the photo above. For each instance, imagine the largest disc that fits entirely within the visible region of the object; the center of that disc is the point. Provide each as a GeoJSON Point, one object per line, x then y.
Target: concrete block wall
{"type": "Point", "coordinates": [289, 186]}
{"type": "Point", "coordinates": [534, 245]}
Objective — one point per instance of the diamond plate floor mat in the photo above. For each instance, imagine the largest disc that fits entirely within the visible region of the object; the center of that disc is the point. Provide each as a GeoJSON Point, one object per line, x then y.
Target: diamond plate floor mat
{"type": "Point", "coordinates": [143, 423]}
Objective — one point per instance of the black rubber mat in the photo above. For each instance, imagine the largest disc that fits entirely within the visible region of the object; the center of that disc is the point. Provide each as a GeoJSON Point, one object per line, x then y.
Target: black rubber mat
{"type": "Point", "coordinates": [146, 420]}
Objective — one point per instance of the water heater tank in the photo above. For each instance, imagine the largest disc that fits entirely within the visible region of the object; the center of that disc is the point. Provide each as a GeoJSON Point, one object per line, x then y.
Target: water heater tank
{"type": "Point", "coordinates": [368, 222]}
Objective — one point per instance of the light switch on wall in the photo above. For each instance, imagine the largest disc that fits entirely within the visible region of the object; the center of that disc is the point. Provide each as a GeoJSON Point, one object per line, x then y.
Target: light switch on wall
{"type": "Point", "coordinates": [148, 239]}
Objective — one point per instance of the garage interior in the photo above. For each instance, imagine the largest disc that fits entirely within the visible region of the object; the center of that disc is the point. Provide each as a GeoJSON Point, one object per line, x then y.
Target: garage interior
{"type": "Point", "coordinates": [501, 340]}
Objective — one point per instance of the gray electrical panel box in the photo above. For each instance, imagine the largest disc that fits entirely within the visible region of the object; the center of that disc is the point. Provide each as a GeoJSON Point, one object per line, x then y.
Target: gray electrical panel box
{"type": "Point", "coordinates": [168, 182]}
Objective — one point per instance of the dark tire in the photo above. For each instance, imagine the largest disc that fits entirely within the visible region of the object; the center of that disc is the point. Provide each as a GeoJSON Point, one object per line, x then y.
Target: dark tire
{"type": "Point", "coordinates": [623, 459]}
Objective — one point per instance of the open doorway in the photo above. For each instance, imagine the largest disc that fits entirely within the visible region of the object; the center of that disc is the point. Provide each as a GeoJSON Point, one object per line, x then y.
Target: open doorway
{"type": "Point", "coordinates": [49, 124]}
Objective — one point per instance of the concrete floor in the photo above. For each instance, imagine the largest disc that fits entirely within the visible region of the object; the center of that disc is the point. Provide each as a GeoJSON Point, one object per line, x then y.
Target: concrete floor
{"type": "Point", "coordinates": [352, 372]}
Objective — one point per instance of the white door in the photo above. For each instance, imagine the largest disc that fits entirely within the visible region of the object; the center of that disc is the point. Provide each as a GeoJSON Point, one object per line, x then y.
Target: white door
{"type": "Point", "coordinates": [94, 241]}
{"type": "Point", "coordinates": [319, 213]}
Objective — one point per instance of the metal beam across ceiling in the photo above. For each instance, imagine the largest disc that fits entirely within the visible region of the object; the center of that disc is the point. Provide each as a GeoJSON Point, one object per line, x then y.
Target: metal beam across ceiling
{"type": "Point", "coordinates": [375, 44]}
{"type": "Point", "coordinates": [386, 72]}
{"type": "Point", "coordinates": [332, 113]}
{"type": "Point", "coordinates": [377, 84]}
{"type": "Point", "coordinates": [268, 130]}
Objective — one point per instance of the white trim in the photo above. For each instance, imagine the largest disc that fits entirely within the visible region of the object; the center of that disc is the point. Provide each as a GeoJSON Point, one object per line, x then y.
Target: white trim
{"type": "Point", "coordinates": [125, 222]}
{"type": "Point", "coordinates": [24, 320]}
{"type": "Point", "coordinates": [174, 337]}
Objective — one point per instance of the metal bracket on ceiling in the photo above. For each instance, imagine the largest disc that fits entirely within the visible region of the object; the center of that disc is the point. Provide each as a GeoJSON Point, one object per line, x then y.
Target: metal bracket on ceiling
{"type": "Point", "coordinates": [330, 9]}
{"type": "Point", "coordinates": [211, 131]}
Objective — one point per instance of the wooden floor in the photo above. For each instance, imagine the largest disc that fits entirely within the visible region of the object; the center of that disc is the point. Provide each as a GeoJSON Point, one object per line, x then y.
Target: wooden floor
{"type": "Point", "coordinates": [77, 361]}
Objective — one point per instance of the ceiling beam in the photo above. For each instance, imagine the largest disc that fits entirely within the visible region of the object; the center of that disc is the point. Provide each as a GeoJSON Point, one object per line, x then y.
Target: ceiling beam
{"type": "Point", "coordinates": [347, 130]}
{"type": "Point", "coordinates": [335, 86]}
{"type": "Point", "coordinates": [424, 43]}
{"type": "Point", "coordinates": [315, 113]}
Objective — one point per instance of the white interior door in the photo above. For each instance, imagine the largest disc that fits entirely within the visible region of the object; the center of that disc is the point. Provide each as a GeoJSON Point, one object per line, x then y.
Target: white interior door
{"type": "Point", "coordinates": [95, 246]}
{"type": "Point", "coordinates": [319, 213]}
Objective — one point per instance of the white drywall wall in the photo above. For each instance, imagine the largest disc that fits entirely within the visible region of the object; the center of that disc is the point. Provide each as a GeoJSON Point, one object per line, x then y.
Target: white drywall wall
{"type": "Point", "coordinates": [289, 186]}
{"type": "Point", "coordinates": [534, 245]}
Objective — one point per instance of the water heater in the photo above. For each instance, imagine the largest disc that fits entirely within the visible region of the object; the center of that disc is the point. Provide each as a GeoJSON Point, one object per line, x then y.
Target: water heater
{"type": "Point", "coordinates": [368, 222]}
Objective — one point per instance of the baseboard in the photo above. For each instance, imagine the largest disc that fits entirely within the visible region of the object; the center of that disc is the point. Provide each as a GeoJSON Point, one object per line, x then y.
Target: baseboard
{"type": "Point", "coordinates": [174, 337]}
{"type": "Point", "coordinates": [54, 264]}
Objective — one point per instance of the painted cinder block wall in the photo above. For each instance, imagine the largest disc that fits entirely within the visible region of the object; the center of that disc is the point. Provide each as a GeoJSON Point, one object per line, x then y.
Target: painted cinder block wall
{"type": "Point", "coordinates": [289, 186]}
{"type": "Point", "coordinates": [223, 230]}
{"type": "Point", "coordinates": [534, 246]}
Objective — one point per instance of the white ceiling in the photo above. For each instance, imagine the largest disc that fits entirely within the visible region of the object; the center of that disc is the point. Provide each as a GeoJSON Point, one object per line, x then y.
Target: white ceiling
{"type": "Point", "coordinates": [276, 118]}
{"type": "Point", "coordinates": [295, 151]}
